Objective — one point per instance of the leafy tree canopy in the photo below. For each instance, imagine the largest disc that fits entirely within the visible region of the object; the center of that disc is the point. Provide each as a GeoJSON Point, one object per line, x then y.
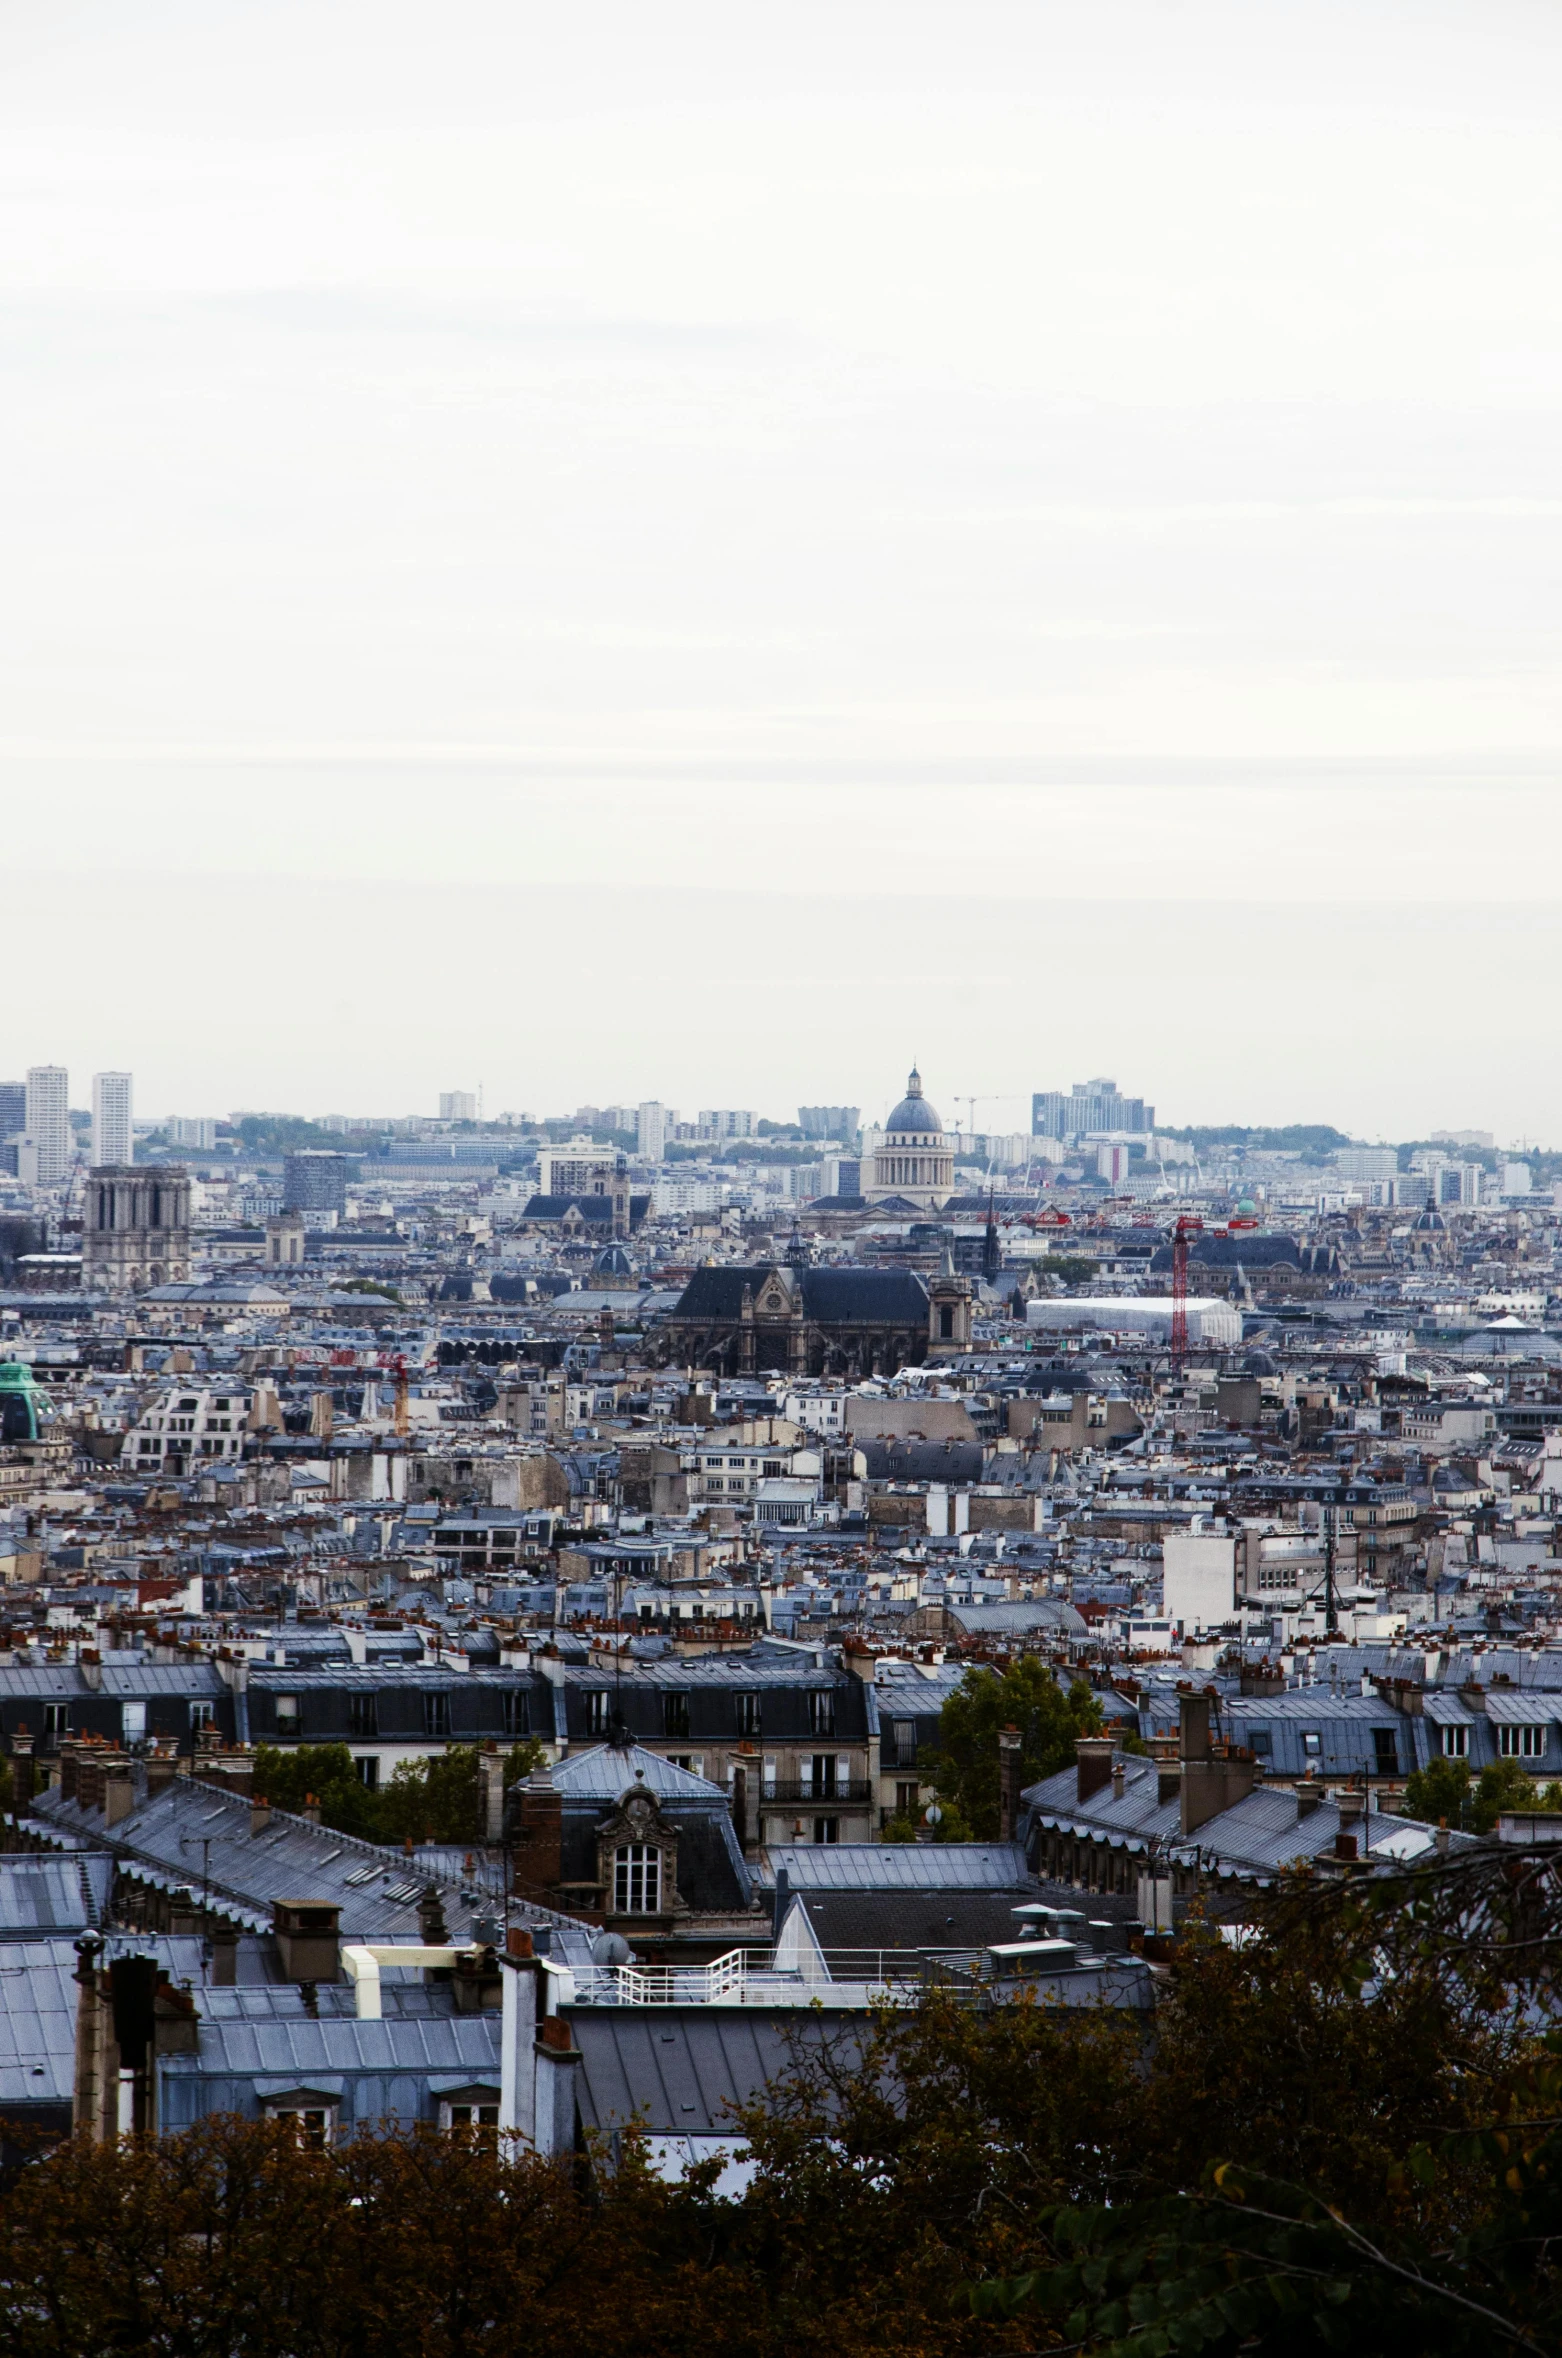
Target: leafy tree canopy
{"type": "Point", "coordinates": [1026, 1696]}
{"type": "Point", "coordinates": [1445, 1789]}
{"type": "Point", "coordinates": [432, 1800]}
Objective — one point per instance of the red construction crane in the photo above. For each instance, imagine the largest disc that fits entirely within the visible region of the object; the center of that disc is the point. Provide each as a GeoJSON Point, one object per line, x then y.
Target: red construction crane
{"type": "Point", "coordinates": [1188, 1224]}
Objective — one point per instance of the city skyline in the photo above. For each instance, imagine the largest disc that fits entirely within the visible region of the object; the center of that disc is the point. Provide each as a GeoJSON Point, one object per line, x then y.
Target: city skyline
{"type": "Point", "coordinates": [869, 511]}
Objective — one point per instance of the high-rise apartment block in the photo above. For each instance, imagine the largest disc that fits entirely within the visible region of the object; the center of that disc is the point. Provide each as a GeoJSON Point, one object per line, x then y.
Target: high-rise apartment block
{"type": "Point", "coordinates": [1090, 1107]}
{"type": "Point", "coordinates": [113, 1137]}
{"type": "Point", "coordinates": [727, 1122]}
{"type": "Point", "coordinates": [654, 1125]}
{"type": "Point", "coordinates": [458, 1105]}
{"type": "Point", "coordinates": [49, 1122]}
{"type": "Point", "coordinates": [314, 1180]}
{"type": "Point", "coordinates": [200, 1133]}
{"type": "Point", "coordinates": [829, 1121]}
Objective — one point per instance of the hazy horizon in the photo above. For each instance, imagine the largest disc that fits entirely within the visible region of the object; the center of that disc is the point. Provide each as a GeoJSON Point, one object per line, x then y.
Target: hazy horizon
{"type": "Point", "coordinates": [700, 556]}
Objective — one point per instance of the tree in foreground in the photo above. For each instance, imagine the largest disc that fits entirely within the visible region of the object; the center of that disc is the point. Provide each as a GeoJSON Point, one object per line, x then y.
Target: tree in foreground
{"type": "Point", "coordinates": [1340, 2133]}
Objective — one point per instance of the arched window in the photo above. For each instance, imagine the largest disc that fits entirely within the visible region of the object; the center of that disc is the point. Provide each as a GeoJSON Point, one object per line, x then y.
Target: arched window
{"type": "Point", "coordinates": [157, 1207]}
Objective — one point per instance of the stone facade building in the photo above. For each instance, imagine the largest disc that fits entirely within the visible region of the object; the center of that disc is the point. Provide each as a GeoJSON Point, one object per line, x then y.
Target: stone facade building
{"type": "Point", "coordinates": [135, 1228]}
{"type": "Point", "coordinates": [816, 1322]}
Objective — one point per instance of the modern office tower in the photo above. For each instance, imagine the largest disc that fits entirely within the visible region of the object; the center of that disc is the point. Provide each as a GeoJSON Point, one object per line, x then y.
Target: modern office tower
{"type": "Point", "coordinates": [49, 1121]}
{"type": "Point", "coordinates": [829, 1121]}
{"type": "Point", "coordinates": [458, 1105]}
{"type": "Point", "coordinates": [113, 1138]}
{"type": "Point", "coordinates": [1091, 1106]}
{"type": "Point", "coordinates": [135, 1229]}
{"type": "Point", "coordinates": [13, 1109]}
{"type": "Point", "coordinates": [314, 1180]}
{"type": "Point", "coordinates": [654, 1125]}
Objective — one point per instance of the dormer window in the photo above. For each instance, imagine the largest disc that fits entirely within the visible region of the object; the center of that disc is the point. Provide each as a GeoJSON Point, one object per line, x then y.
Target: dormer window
{"type": "Point", "coordinates": [637, 1879]}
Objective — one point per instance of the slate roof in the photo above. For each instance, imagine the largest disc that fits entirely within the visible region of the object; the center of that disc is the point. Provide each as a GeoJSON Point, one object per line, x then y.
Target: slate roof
{"type": "Point", "coordinates": [849, 1297]}
{"type": "Point", "coordinates": [1019, 1620]}
{"type": "Point", "coordinates": [902, 1866]}
{"type": "Point", "coordinates": [595, 1210]}
{"type": "Point", "coordinates": [606, 1773]}
{"type": "Point", "coordinates": [914, 1460]}
{"type": "Point", "coordinates": [395, 2068]}
{"type": "Point", "coordinates": [38, 2008]}
{"type": "Point", "coordinates": [915, 1919]}
{"type": "Point", "coordinates": [710, 1670]}
{"type": "Point", "coordinates": [192, 1833]}
{"type": "Point", "coordinates": [683, 2069]}
{"type": "Point", "coordinates": [829, 1297]}
{"type": "Point", "coordinates": [39, 1893]}
{"type": "Point", "coordinates": [1254, 1839]}
{"type": "Point", "coordinates": [1276, 1726]}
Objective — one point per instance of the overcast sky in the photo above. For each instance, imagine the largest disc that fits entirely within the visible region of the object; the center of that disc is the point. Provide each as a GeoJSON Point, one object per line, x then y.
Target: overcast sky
{"type": "Point", "coordinates": [702, 551]}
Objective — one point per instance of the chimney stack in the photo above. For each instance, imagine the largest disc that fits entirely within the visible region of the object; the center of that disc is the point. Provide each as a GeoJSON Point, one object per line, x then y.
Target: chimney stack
{"type": "Point", "coordinates": [259, 1814]}
{"type": "Point", "coordinates": [308, 1937]}
{"type": "Point", "coordinates": [1193, 1727]}
{"type": "Point", "coordinates": [1094, 1769]}
{"type": "Point", "coordinates": [311, 1809]}
{"type": "Point", "coordinates": [119, 1793]}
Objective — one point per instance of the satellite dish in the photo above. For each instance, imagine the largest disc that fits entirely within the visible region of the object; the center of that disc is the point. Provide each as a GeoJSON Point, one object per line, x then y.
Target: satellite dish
{"type": "Point", "coordinates": [611, 1948]}
{"type": "Point", "coordinates": [933, 1815]}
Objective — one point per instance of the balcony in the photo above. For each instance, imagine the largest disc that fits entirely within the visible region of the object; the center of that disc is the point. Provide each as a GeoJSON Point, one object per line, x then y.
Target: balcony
{"type": "Point", "coordinates": [845, 1977]}
{"type": "Point", "coordinates": [845, 1793]}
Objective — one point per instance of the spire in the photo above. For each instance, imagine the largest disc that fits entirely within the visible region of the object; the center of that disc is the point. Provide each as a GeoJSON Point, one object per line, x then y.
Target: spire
{"type": "Point", "coordinates": [913, 1083]}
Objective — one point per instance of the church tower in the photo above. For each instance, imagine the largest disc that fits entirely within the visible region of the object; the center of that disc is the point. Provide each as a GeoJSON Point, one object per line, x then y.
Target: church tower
{"type": "Point", "coordinates": [949, 1311]}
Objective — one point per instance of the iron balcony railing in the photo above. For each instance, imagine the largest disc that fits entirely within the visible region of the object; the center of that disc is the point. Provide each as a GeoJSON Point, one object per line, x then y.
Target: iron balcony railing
{"type": "Point", "coordinates": [760, 1977]}
{"type": "Point", "coordinates": [796, 1793]}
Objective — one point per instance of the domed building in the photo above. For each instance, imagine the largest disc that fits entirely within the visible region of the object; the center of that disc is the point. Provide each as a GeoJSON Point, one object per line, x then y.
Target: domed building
{"type": "Point", "coordinates": [914, 1163]}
